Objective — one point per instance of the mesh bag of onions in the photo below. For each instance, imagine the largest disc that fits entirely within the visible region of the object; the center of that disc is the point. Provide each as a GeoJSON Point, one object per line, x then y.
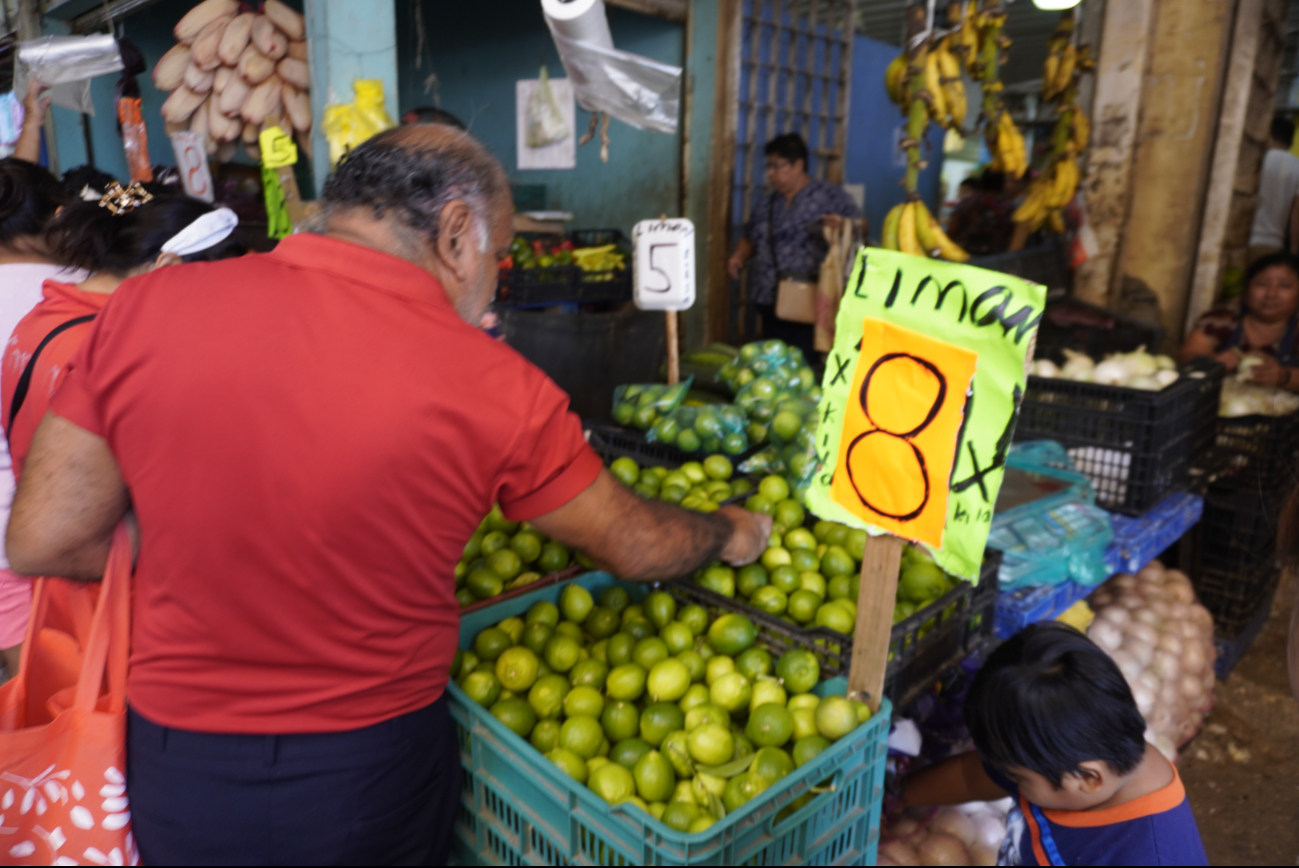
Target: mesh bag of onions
{"type": "Point", "coordinates": [1162, 641]}
{"type": "Point", "coordinates": [968, 834]}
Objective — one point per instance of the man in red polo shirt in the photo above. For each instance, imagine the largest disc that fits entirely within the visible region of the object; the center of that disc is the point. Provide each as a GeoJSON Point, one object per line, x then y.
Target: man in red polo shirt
{"type": "Point", "coordinates": [307, 439]}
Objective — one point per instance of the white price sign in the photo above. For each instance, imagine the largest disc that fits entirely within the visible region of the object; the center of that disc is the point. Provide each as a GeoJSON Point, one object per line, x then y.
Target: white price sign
{"type": "Point", "coordinates": [663, 264]}
{"type": "Point", "coordinates": [191, 159]}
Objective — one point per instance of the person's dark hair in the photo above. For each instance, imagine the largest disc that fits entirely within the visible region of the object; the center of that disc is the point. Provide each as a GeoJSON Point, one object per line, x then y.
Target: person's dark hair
{"type": "Point", "coordinates": [992, 181]}
{"type": "Point", "coordinates": [1263, 263]}
{"type": "Point", "coordinates": [402, 171]}
{"type": "Point", "coordinates": [1283, 130]}
{"type": "Point", "coordinates": [427, 114]}
{"type": "Point", "coordinates": [93, 238]}
{"type": "Point", "coordinates": [788, 146]}
{"type": "Point", "coordinates": [29, 196]}
{"type": "Point", "coordinates": [970, 182]}
{"type": "Point", "coordinates": [79, 178]}
{"type": "Point", "coordinates": [1048, 700]}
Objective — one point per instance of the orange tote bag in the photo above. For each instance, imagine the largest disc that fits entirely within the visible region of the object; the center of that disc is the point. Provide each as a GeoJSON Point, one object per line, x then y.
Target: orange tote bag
{"type": "Point", "coordinates": [63, 728]}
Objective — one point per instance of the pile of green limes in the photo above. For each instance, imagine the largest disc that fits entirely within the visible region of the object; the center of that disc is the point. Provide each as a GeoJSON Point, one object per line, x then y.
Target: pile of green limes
{"type": "Point", "coordinates": [681, 714]}
{"type": "Point", "coordinates": [700, 486]}
{"type": "Point", "coordinates": [643, 405]}
{"type": "Point", "coordinates": [813, 576]}
{"type": "Point", "coordinates": [710, 428]}
{"type": "Point", "coordinates": [503, 555]}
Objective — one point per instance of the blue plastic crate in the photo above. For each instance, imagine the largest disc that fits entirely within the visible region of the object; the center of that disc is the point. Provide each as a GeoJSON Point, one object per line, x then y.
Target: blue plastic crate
{"type": "Point", "coordinates": [518, 809]}
{"type": "Point", "coordinates": [1023, 606]}
{"type": "Point", "coordinates": [1231, 650]}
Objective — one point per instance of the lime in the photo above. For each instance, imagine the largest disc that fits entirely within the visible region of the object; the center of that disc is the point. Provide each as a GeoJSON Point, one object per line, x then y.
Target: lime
{"type": "Point", "coordinates": [626, 682]}
{"type": "Point", "coordinates": [576, 603]}
{"type": "Point", "coordinates": [562, 653]}
{"type": "Point", "coordinates": [612, 782]}
{"type": "Point", "coordinates": [492, 543]}
{"type": "Point", "coordinates": [474, 547]}
{"type": "Point", "coordinates": [711, 744]}
{"type": "Point", "coordinates": [545, 735]}
{"type": "Point", "coordinates": [628, 752]}
{"type": "Point", "coordinates": [527, 545]}
{"type": "Point", "coordinates": [776, 556]}
{"type": "Point", "coordinates": [767, 690]}
{"type": "Point", "coordinates": [621, 720]}
{"type": "Point", "coordinates": [702, 823]}
{"type": "Point", "coordinates": [821, 529]}
{"type": "Point", "coordinates": [837, 535]}
{"type": "Point", "coordinates": [786, 425]}
{"type": "Point", "coordinates": [677, 750]}
{"type": "Point", "coordinates": [482, 687]}
{"type": "Point", "coordinates": [716, 667]}
{"type": "Point", "coordinates": [805, 560]}
{"type": "Point", "coordinates": [741, 788]}
{"type": "Point", "coordinates": [547, 696]}
{"type": "Point", "coordinates": [571, 630]}
{"type": "Point", "coordinates": [583, 702]}
{"type": "Point", "coordinates": [488, 666]}
{"type": "Point", "coordinates": [467, 662]}
{"type": "Point", "coordinates": [664, 431]}
{"type": "Point", "coordinates": [813, 582]}
{"type": "Point", "coordinates": [677, 637]}
{"type": "Point", "coordinates": [615, 598]}
{"type": "Point", "coordinates": [639, 628]}
{"type": "Point", "coordinates": [600, 623]}
{"type": "Point", "coordinates": [732, 692]}
{"type": "Point", "coordinates": [656, 809]}
{"type": "Point", "coordinates": [837, 562]}
{"type": "Point", "coordinates": [719, 580]}
{"type": "Point", "coordinates": [589, 673]}
{"type": "Point", "coordinates": [688, 441]}
{"type": "Point", "coordinates": [660, 608]}
{"type": "Point", "coordinates": [799, 670]}
{"type": "Point", "coordinates": [649, 651]}
{"type": "Point", "coordinates": [770, 599]}
{"type": "Point", "coordinates": [750, 579]}
{"type": "Point", "coordinates": [484, 583]}
{"type": "Point", "coordinates": [491, 643]}
{"type": "Point", "coordinates": [734, 443]}
{"type": "Point", "coordinates": [774, 488]}
{"type": "Point", "coordinates": [855, 544]}
{"type": "Point", "coordinates": [516, 669]}
{"type": "Point", "coordinates": [800, 538]}
{"type": "Point", "coordinates": [804, 723]}
{"type": "Point", "coordinates": [497, 521]}
{"type": "Point", "coordinates": [512, 627]}
{"type": "Point", "coordinates": [835, 717]}
{"type": "Point", "coordinates": [648, 489]}
{"type": "Point", "coordinates": [770, 725]}
{"type": "Point", "coordinates": [644, 417]}
{"type": "Point", "coordinates": [623, 413]}
{"type": "Point", "coordinates": [785, 578]}
{"type": "Point", "coordinates": [625, 470]}
{"type": "Point", "coordinates": [919, 582]}
{"type": "Point", "coordinates": [600, 651]}
{"type": "Point", "coordinates": [680, 815]}
{"type": "Point", "coordinates": [790, 513]}
{"type": "Point", "coordinates": [840, 588]}
{"type": "Point", "coordinates": [655, 778]}
{"type": "Point", "coordinates": [743, 747]}
{"type": "Point", "coordinates": [543, 612]}
{"type": "Point", "coordinates": [619, 649]}
{"type": "Point", "coordinates": [754, 662]}
{"type": "Point", "coordinates": [718, 467]}
{"type": "Point", "coordinates": [581, 735]}
{"type": "Point", "coordinates": [695, 696]}
{"type": "Point", "coordinates": [732, 633]}
{"type": "Point", "coordinates": [803, 605]}
{"type": "Point", "coordinates": [535, 637]}
{"type": "Point", "coordinates": [516, 714]}
{"type": "Point", "coordinates": [572, 765]}
{"type": "Point", "coordinates": [695, 618]}
{"type": "Point", "coordinates": [807, 748]}
{"type": "Point", "coordinates": [704, 714]}
{"type": "Point", "coordinates": [668, 680]}
{"type": "Point", "coordinates": [554, 557]}
{"type": "Point", "coordinates": [694, 471]}
{"type": "Point", "coordinates": [694, 665]}
{"type": "Point", "coordinates": [771, 763]}
{"type": "Point", "coordinates": [658, 720]}
{"type": "Point", "coordinates": [837, 617]}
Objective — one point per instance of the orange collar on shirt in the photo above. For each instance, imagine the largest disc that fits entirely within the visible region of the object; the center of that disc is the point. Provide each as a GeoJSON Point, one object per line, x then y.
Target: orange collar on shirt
{"type": "Point", "coordinates": [1161, 800]}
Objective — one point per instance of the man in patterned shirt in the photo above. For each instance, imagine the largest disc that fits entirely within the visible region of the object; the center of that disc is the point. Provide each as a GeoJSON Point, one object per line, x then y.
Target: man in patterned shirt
{"type": "Point", "coordinates": [783, 237]}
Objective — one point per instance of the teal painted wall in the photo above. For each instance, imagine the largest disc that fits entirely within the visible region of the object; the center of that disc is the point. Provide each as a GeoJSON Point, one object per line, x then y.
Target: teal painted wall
{"type": "Point", "coordinates": [478, 50]}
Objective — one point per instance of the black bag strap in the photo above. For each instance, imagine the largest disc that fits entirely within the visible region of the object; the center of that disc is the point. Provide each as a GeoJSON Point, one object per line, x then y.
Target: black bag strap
{"type": "Point", "coordinates": [25, 381]}
{"type": "Point", "coordinates": [771, 234]}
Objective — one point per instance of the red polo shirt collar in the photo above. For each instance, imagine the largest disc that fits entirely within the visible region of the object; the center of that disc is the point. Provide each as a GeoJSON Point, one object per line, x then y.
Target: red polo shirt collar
{"type": "Point", "coordinates": [374, 268]}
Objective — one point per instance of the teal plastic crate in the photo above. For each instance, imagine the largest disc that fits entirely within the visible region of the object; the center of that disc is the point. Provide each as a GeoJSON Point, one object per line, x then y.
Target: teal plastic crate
{"type": "Point", "coordinates": [517, 808]}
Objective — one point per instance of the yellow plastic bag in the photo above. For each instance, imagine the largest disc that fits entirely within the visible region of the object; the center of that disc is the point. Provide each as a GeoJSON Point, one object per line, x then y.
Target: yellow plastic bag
{"type": "Point", "coordinates": [347, 125]}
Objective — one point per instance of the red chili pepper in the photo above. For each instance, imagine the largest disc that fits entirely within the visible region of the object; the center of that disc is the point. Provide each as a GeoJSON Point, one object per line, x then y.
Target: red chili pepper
{"type": "Point", "coordinates": [507, 262]}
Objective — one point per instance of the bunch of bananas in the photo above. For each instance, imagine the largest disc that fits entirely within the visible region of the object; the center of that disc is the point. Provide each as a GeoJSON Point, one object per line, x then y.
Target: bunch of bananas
{"type": "Point", "coordinates": [1006, 142]}
{"type": "Point", "coordinates": [1049, 193]}
{"type": "Point", "coordinates": [910, 228]}
{"type": "Point", "coordinates": [967, 39]}
{"type": "Point", "coordinates": [1060, 65]}
{"type": "Point", "coordinates": [944, 91]}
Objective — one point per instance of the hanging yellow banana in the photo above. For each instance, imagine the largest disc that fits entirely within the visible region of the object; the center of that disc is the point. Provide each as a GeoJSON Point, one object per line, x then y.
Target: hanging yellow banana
{"type": "Point", "coordinates": [895, 80]}
{"type": "Point", "coordinates": [889, 235]}
{"type": "Point", "coordinates": [908, 241]}
{"type": "Point", "coordinates": [933, 84]}
{"type": "Point", "coordinates": [934, 239]}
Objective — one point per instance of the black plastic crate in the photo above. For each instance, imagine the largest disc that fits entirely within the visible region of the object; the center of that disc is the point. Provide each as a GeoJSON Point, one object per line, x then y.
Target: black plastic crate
{"type": "Point", "coordinates": [1044, 263]}
{"type": "Point", "coordinates": [568, 284]}
{"type": "Point", "coordinates": [1238, 524]}
{"type": "Point", "coordinates": [1231, 648]}
{"type": "Point", "coordinates": [1134, 446]}
{"type": "Point", "coordinates": [1233, 592]}
{"type": "Point", "coordinates": [920, 646]}
{"type": "Point", "coordinates": [1076, 325]}
{"type": "Point", "coordinates": [1260, 450]}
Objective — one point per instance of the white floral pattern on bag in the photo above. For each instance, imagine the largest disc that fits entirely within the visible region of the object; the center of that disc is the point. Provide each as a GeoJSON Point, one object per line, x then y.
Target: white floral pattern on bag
{"type": "Point", "coordinates": [49, 789]}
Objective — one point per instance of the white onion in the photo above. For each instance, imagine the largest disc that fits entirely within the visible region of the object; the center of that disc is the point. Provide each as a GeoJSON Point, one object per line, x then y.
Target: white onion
{"type": "Point", "coordinates": [982, 854]}
{"type": "Point", "coordinates": [1170, 643]}
{"type": "Point", "coordinates": [1139, 363]}
{"type": "Point", "coordinates": [1143, 631]}
{"type": "Point", "coordinates": [1147, 615]}
{"type": "Point", "coordinates": [1105, 634]}
{"type": "Point", "coordinates": [990, 829]}
{"type": "Point", "coordinates": [1045, 368]}
{"type": "Point", "coordinates": [1152, 571]}
{"type": "Point", "coordinates": [1160, 608]}
{"type": "Point", "coordinates": [1101, 599]}
{"type": "Point", "coordinates": [1191, 689]}
{"type": "Point", "coordinates": [1146, 384]}
{"type": "Point", "coordinates": [1182, 592]}
{"type": "Point", "coordinates": [1193, 659]}
{"type": "Point", "coordinates": [1124, 581]}
{"type": "Point", "coordinates": [898, 853]}
{"type": "Point", "coordinates": [1117, 615]}
{"type": "Point", "coordinates": [1169, 696]}
{"type": "Point", "coordinates": [1132, 601]}
{"type": "Point", "coordinates": [1144, 698]}
{"type": "Point", "coordinates": [904, 827]}
{"type": "Point", "coordinates": [956, 824]}
{"type": "Point", "coordinates": [1165, 363]}
{"type": "Point", "coordinates": [1180, 577]}
{"type": "Point", "coordinates": [1150, 681]}
{"type": "Point", "coordinates": [941, 849]}
{"type": "Point", "coordinates": [1160, 719]}
{"type": "Point", "coordinates": [1166, 378]}
{"type": "Point", "coordinates": [1127, 664]}
{"type": "Point", "coordinates": [1201, 617]}
{"type": "Point", "coordinates": [1177, 611]}
{"type": "Point", "coordinates": [1141, 650]}
{"type": "Point", "coordinates": [1165, 666]}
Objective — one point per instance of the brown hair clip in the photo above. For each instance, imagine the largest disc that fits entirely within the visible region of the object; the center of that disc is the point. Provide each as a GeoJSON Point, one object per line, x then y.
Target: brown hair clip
{"type": "Point", "coordinates": [123, 201]}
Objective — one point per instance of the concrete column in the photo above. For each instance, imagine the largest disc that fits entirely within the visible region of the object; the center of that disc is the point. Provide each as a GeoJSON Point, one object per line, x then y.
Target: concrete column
{"type": "Point", "coordinates": [347, 40]}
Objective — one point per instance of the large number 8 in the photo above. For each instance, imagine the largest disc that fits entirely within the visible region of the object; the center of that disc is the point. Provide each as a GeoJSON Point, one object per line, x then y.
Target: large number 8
{"type": "Point", "coordinates": [861, 440]}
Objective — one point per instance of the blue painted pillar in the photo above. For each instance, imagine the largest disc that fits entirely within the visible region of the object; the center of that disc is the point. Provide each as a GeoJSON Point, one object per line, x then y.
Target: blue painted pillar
{"type": "Point", "coordinates": [347, 40]}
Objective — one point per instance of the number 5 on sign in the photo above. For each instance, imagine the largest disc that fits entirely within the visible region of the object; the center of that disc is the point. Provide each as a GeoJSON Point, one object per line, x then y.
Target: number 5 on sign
{"type": "Point", "coordinates": [664, 264]}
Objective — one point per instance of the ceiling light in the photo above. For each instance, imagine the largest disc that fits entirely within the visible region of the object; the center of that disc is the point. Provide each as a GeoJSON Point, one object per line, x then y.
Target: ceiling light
{"type": "Point", "coordinates": [1055, 5]}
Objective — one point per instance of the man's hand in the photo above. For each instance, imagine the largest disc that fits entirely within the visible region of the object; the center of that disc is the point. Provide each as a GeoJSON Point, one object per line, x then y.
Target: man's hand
{"type": "Point", "coordinates": [834, 221]}
{"type": "Point", "coordinates": [1268, 371]}
{"type": "Point", "coordinates": [734, 265]}
{"type": "Point", "coordinates": [35, 104]}
{"type": "Point", "coordinates": [749, 539]}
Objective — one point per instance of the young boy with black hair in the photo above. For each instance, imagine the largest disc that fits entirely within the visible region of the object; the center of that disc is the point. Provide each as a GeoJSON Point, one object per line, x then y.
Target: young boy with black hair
{"type": "Point", "coordinates": [1055, 726]}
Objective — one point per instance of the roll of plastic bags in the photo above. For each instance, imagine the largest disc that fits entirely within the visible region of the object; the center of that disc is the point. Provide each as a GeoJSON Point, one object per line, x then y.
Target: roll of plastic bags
{"type": "Point", "coordinates": [67, 63]}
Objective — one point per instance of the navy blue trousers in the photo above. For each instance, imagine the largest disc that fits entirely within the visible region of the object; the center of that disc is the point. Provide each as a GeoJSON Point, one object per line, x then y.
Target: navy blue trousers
{"type": "Point", "coordinates": [383, 795]}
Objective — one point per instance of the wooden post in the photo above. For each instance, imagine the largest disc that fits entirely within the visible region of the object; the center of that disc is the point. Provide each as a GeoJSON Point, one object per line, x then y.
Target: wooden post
{"type": "Point", "coordinates": [674, 363]}
{"type": "Point", "coordinates": [875, 603]}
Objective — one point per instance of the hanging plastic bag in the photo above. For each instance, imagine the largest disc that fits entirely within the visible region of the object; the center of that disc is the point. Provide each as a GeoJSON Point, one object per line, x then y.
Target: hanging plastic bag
{"type": "Point", "coordinates": [710, 429]}
{"type": "Point", "coordinates": [642, 405]}
{"type": "Point", "coordinates": [350, 124]}
{"type": "Point", "coordinates": [545, 120]}
{"type": "Point", "coordinates": [67, 63]}
{"type": "Point", "coordinates": [135, 140]}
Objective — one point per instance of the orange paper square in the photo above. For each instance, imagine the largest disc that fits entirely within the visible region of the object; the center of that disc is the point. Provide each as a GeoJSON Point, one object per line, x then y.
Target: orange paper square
{"type": "Point", "coordinates": [900, 432]}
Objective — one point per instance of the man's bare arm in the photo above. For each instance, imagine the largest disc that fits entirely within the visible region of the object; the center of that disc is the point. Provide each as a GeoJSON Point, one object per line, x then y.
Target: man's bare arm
{"type": "Point", "coordinates": [70, 498]}
{"type": "Point", "coordinates": [647, 540]}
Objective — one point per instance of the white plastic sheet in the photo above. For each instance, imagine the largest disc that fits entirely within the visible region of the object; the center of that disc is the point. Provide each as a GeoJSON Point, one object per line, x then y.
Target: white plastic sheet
{"type": "Point", "coordinates": [67, 63]}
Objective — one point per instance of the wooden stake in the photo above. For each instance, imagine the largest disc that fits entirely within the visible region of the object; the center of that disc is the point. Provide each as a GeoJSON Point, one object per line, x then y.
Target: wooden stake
{"type": "Point", "coordinates": [674, 363]}
{"type": "Point", "coordinates": [875, 603]}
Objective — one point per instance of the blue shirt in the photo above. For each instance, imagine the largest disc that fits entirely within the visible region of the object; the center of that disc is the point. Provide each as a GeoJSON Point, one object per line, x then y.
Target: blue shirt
{"type": "Point", "coordinates": [1155, 829]}
{"type": "Point", "coordinates": [800, 246]}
